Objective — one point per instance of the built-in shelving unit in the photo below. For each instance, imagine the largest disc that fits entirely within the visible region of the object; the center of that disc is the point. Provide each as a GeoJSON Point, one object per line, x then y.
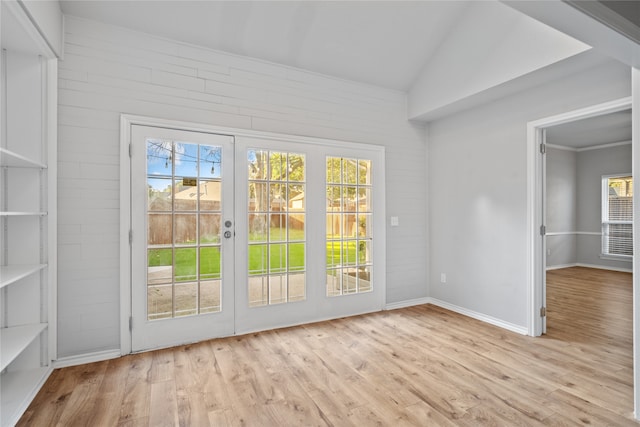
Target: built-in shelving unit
{"type": "Point", "coordinates": [27, 199]}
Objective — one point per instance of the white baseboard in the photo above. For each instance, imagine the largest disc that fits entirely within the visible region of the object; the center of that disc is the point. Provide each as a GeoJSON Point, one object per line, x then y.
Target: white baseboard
{"type": "Point", "coordinates": [407, 303]}
{"type": "Point", "coordinates": [81, 359]}
{"type": "Point", "coordinates": [580, 264]}
{"type": "Point", "coordinates": [560, 266]}
{"type": "Point", "coordinates": [604, 267]}
{"type": "Point", "coordinates": [522, 330]}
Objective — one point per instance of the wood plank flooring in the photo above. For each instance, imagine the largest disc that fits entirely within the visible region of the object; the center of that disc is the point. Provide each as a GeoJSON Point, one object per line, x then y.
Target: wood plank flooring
{"type": "Point", "coordinates": [418, 366]}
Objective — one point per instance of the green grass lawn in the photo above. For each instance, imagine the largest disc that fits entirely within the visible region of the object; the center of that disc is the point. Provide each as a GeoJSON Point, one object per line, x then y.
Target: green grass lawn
{"type": "Point", "coordinates": [185, 263]}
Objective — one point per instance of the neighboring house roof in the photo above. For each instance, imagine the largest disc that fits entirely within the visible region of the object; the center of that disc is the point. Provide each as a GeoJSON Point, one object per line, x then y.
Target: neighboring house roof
{"type": "Point", "coordinates": [209, 190]}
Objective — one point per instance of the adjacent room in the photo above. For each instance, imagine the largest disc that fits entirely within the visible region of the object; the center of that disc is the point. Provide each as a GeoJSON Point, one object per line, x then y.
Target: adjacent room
{"type": "Point", "coordinates": [318, 213]}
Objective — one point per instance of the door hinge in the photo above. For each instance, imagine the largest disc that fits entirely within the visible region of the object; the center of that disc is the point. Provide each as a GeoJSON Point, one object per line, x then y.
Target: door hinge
{"type": "Point", "coordinates": [543, 230]}
{"type": "Point", "coordinates": [130, 323]}
{"type": "Point", "coordinates": [130, 236]}
{"type": "Point", "coordinates": [543, 148]}
{"type": "Point", "coordinates": [129, 150]}
{"type": "Point", "coordinates": [543, 311]}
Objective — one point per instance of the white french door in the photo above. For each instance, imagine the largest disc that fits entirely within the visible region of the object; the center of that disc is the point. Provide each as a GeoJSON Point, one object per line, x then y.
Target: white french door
{"type": "Point", "coordinates": [237, 233]}
{"type": "Point", "coordinates": [311, 241]}
{"type": "Point", "coordinates": [182, 236]}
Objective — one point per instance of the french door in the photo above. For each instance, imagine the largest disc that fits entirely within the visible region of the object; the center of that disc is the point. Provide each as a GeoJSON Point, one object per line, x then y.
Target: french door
{"type": "Point", "coordinates": [182, 236]}
{"type": "Point", "coordinates": [236, 233]}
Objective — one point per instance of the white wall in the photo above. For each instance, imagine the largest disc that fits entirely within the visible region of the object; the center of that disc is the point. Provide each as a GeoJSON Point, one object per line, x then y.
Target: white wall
{"type": "Point", "coordinates": [108, 71]}
{"type": "Point", "coordinates": [478, 188]}
{"type": "Point", "coordinates": [574, 204]}
{"type": "Point", "coordinates": [592, 165]}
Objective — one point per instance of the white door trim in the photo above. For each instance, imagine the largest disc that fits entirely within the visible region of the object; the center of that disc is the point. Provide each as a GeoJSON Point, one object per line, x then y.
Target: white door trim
{"type": "Point", "coordinates": [535, 218]}
{"type": "Point", "coordinates": [635, 141]}
{"type": "Point", "coordinates": [127, 121]}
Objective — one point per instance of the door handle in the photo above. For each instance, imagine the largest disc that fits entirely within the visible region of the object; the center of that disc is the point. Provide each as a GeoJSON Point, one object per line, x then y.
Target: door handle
{"type": "Point", "coordinates": [227, 234]}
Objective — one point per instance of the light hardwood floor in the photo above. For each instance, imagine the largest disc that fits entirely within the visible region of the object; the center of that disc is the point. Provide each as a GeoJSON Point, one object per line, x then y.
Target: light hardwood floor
{"type": "Point", "coordinates": [422, 366]}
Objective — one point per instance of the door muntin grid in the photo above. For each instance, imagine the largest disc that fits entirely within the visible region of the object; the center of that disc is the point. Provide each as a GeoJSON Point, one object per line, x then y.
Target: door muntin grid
{"type": "Point", "coordinates": [276, 227]}
{"type": "Point", "coordinates": [184, 211]}
{"type": "Point", "coordinates": [349, 225]}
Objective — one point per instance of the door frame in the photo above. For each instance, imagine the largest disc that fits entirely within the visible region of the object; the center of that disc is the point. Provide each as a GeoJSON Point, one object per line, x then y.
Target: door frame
{"type": "Point", "coordinates": [128, 120]}
{"type": "Point", "coordinates": [536, 282]}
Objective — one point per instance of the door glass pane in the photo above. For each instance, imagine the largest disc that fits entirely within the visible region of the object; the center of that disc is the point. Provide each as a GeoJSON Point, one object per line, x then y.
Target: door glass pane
{"type": "Point", "coordinates": [277, 258]}
{"type": "Point", "coordinates": [159, 301]}
{"type": "Point", "coordinates": [160, 194]}
{"type": "Point", "coordinates": [296, 286]}
{"type": "Point", "coordinates": [257, 227]}
{"type": "Point", "coordinates": [160, 268]}
{"type": "Point", "coordinates": [185, 264]}
{"type": "Point", "coordinates": [210, 263]}
{"type": "Point", "coordinates": [183, 228]}
{"type": "Point", "coordinates": [185, 160]}
{"type": "Point", "coordinates": [186, 299]}
{"type": "Point", "coordinates": [276, 225]}
{"type": "Point", "coordinates": [160, 229]}
{"type": "Point", "coordinates": [210, 195]}
{"type": "Point", "coordinates": [210, 296]}
{"type": "Point", "coordinates": [210, 162]}
{"type": "Point", "coordinates": [186, 194]}
{"type": "Point", "coordinates": [257, 259]}
{"type": "Point", "coordinates": [349, 239]}
{"type": "Point", "coordinates": [209, 228]}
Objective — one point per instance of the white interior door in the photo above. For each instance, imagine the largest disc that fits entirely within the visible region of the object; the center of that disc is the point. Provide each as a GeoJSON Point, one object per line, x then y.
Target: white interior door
{"type": "Point", "coordinates": [543, 259]}
{"type": "Point", "coordinates": [182, 236]}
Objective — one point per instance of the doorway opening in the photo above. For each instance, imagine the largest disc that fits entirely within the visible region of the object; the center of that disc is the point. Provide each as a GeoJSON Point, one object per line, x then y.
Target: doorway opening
{"type": "Point", "coordinates": [574, 236]}
{"type": "Point", "coordinates": [588, 199]}
{"type": "Point", "coordinates": [537, 213]}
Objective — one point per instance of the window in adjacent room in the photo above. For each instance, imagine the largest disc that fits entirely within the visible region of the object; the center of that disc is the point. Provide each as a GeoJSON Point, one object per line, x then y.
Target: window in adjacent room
{"type": "Point", "coordinates": [617, 215]}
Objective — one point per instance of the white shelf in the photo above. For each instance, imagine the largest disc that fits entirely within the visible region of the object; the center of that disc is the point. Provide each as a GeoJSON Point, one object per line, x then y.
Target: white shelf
{"type": "Point", "coordinates": [13, 273]}
{"type": "Point", "coordinates": [12, 213]}
{"type": "Point", "coordinates": [18, 389]}
{"type": "Point", "coordinates": [11, 159]}
{"type": "Point", "coordinates": [14, 340]}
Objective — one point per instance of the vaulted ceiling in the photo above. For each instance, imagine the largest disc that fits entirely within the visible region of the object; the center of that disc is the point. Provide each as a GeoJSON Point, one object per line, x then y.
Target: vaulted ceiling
{"type": "Point", "coordinates": [439, 52]}
{"type": "Point", "coordinates": [446, 55]}
{"type": "Point", "coordinates": [380, 43]}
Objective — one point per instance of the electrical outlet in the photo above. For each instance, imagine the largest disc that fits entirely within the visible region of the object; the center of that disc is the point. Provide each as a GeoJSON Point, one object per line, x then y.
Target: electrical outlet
{"type": "Point", "coordinates": [443, 277]}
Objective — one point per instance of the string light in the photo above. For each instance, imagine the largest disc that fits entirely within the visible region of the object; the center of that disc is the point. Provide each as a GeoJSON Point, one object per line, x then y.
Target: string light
{"type": "Point", "coordinates": [183, 157]}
